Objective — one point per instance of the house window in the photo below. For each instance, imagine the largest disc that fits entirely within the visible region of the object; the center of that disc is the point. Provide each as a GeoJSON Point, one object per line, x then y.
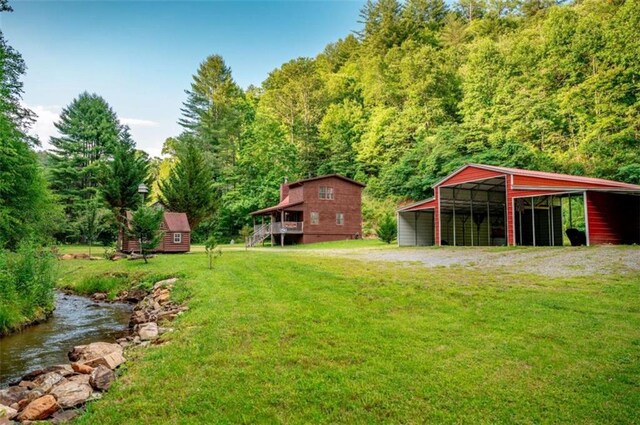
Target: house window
{"type": "Point", "coordinates": [177, 238]}
{"type": "Point", "coordinates": [326, 192]}
{"type": "Point", "coordinates": [339, 219]}
{"type": "Point", "coordinates": [315, 218]}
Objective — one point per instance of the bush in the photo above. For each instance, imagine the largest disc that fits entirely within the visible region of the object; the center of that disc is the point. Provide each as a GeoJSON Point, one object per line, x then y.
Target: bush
{"type": "Point", "coordinates": [387, 229]}
{"type": "Point", "coordinates": [27, 282]}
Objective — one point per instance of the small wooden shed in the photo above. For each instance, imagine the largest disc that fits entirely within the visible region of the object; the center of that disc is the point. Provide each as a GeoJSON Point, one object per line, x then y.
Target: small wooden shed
{"type": "Point", "coordinates": [177, 235]}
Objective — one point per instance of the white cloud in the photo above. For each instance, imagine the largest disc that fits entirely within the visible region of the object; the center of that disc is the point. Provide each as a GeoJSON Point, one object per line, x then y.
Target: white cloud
{"type": "Point", "coordinates": [136, 122]}
{"type": "Point", "coordinates": [44, 126]}
{"type": "Point", "coordinates": [143, 131]}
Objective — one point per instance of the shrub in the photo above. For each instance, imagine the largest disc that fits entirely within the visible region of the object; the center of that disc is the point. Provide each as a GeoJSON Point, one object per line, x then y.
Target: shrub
{"type": "Point", "coordinates": [27, 282]}
{"type": "Point", "coordinates": [387, 229]}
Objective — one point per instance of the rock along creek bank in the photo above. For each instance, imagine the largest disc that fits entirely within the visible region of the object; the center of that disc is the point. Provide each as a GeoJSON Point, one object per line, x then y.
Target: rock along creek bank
{"type": "Point", "coordinates": [58, 392]}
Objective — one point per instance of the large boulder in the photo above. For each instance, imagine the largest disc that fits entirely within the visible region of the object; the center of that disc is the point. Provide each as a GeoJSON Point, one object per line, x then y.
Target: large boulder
{"type": "Point", "coordinates": [39, 409]}
{"type": "Point", "coordinates": [71, 394]}
{"type": "Point", "coordinates": [165, 283]}
{"type": "Point", "coordinates": [98, 353]}
{"type": "Point", "coordinates": [111, 361]}
{"type": "Point", "coordinates": [7, 412]}
{"type": "Point", "coordinates": [148, 331]}
{"type": "Point", "coordinates": [62, 369]}
{"type": "Point", "coordinates": [101, 378]}
{"type": "Point", "coordinates": [35, 394]}
{"type": "Point", "coordinates": [13, 395]}
{"type": "Point", "coordinates": [46, 381]}
{"type": "Point", "coordinates": [80, 379]}
{"type": "Point", "coordinates": [83, 353]}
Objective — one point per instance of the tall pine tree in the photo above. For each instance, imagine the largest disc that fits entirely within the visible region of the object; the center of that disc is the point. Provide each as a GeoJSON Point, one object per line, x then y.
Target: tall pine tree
{"type": "Point", "coordinates": [89, 134]}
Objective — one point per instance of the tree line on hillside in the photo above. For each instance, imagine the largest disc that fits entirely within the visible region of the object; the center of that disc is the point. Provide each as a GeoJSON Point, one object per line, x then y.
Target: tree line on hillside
{"type": "Point", "coordinates": [420, 90]}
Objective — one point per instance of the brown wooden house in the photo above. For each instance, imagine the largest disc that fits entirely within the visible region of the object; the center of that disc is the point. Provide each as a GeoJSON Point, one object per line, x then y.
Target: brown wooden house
{"type": "Point", "coordinates": [319, 209]}
{"type": "Point", "coordinates": [177, 235]}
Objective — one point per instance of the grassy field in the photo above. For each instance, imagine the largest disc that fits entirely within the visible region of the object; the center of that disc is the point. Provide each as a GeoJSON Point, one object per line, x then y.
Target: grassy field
{"type": "Point", "coordinates": [284, 337]}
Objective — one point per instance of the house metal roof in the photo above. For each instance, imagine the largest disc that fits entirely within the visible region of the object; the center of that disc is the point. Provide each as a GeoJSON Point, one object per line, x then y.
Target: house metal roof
{"type": "Point", "coordinates": [281, 206]}
{"type": "Point", "coordinates": [326, 176]}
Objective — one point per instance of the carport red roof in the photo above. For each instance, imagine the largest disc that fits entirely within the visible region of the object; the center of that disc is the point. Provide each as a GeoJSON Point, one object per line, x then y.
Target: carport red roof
{"type": "Point", "coordinates": [587, 181]}
{"type": "Point", "coordinates": [523, 180]}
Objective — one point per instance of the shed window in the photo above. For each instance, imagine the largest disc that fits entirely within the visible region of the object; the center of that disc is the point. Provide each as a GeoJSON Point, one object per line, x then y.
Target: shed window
{"type": "Point", "coordinates": [315, 218]}
{"type": "Point", "coordinates": [326, 192]}
{"type": "Point", "coordinates": [177, 238]}
{"type": "Point", "coordinates": [339, 219]}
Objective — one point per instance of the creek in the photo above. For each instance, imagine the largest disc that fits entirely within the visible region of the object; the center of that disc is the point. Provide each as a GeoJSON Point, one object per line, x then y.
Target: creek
{"type": "Point", "coordinates": [76, 321]}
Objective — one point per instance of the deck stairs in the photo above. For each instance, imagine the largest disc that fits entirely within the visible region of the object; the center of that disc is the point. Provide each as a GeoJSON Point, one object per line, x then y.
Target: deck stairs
{"type": "Point", "coordinates": [260, 233]}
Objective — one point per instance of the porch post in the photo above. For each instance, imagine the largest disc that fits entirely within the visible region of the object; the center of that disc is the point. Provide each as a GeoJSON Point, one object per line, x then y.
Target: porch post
{"type": "Point", "coordinates": [281, 227]}
{"type": "Point", "coordinates": [271, 224]}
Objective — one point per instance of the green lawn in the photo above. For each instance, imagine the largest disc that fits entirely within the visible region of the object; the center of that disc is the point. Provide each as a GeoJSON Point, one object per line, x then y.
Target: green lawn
{"type": "Point", "coordinates": [284, 337]}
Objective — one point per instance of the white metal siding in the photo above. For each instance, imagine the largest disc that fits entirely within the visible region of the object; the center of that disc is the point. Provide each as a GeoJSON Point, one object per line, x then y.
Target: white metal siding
{"type": "Point", "coordinates": [415, 228]}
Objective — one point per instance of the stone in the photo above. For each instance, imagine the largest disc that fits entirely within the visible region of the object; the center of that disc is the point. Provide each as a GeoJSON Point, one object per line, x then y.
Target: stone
{"type": "Point", "coordinates": [80, 379]}
{"type": "Point", "coordinates": [163, 296]}
{"type": "Point", "coordinates": [84, 353]}
{"type": "Point", "coordinates": [166, 282]}
{"type": "Point", "coordinates": [62, 369]}
{"type": "Point", "coordinates": [29, 398]}
{"type": "Point", "coordinates": [82, 368]}
{"type": "Point", "coordinates": [71, 394]}
{"type": "Point", "coordinates": [63, 416]}
{"type": "Point", "coordinates": [136, 339]}
{"type": "Point", "coordinates": [162, 330]}
{"type": "Point", "coordinates": [27, 384]}
{"type": "Point", "coordinates": [138, 317]}
{"type": "Point", "coordinates": [46, 381]}
{"type": "Point", "coordinates": [101, 378]}
{"type": "Point", "coordinates": [99, 296]}
{"type": "Point", "coordinates": [111, 361]}
{"type": "Point", "coordinates": [148, 331]}
{"type": "Point", "coordinates": [7, 412]}
{"type": "Point", "coordinates": [13, 395]}
{"type": "Point", "coordinates": [40, 408]}
{"type": "Point", "coordinates": [66, 257]}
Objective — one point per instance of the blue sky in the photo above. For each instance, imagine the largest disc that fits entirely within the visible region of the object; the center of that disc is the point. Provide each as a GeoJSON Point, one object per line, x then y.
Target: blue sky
{"type": "Point", "coordinates": [140, 55]}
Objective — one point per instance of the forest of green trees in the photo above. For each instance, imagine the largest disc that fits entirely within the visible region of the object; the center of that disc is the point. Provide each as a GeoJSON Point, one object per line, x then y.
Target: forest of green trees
{"type": "Point", "coordinates": [421, 88]}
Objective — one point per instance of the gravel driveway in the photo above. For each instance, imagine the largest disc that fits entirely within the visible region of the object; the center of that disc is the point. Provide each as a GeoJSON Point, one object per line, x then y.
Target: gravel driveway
{"type": "Point", "coordinates": [557, 262]}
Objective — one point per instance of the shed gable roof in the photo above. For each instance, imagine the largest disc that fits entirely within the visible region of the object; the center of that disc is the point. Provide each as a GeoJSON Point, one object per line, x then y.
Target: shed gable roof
{"type": "Point", "coordinates": [176, 222]}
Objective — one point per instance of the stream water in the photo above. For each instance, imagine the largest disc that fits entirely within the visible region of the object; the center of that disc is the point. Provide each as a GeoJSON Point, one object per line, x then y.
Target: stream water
{"type": "Point", "coordinates": [75, 321]}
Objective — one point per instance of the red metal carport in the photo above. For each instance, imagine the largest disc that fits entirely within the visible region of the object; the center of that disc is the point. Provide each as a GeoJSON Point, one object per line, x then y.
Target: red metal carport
{"type": "Point", "coordinates": [491, 205]}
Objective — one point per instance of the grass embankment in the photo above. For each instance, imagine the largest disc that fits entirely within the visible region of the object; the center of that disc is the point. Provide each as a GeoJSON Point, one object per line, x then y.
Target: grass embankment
{"type": "Point", "coordinates": [288, 337]}
{"type": "Point", "coordinates": [27, 281]}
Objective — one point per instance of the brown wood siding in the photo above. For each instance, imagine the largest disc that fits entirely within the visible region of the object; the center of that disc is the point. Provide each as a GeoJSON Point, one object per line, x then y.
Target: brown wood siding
{"type": "Point", "coordinates": [347, 199]}
{"type": "Point", "coordinates": [166, 244]}
{"type": "Point", "coordinates": [296, 194]}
